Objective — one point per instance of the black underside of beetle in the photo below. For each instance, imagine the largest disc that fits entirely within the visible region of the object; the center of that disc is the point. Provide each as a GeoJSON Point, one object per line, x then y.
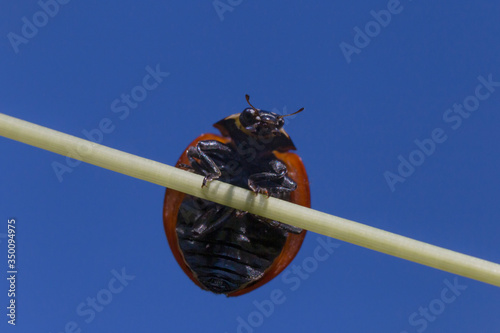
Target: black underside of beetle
{"type": "Point", "coordinates": [225, 248]}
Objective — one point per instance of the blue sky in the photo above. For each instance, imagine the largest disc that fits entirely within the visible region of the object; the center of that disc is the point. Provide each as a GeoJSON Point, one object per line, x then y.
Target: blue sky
{"type": "Point", "coordinates": [399, 132]}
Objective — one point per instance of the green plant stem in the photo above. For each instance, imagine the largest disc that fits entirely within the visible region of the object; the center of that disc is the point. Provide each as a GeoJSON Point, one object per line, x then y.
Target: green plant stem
{"type": "Point", "coordinates": [239, 198]}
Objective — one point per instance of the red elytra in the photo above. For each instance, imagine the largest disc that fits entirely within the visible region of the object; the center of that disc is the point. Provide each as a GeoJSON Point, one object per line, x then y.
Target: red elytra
{"type": "Point", "coordinates": [227, 251]}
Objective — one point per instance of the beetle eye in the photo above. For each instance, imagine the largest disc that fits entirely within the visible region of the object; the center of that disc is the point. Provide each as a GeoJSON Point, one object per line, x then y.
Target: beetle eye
{"type": "Point", "coordinates": [248, 117]}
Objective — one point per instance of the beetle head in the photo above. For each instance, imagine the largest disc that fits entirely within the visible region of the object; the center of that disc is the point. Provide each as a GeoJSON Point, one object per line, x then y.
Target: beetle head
{"type": "Point", "coordinates": [263, 126]}
{"type": "Point", "coordinates": [262, 123]}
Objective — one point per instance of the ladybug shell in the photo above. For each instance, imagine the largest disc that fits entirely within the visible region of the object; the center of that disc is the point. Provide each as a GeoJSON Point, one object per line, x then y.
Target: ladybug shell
{"type": "Point", "coordinates": [287, 248]}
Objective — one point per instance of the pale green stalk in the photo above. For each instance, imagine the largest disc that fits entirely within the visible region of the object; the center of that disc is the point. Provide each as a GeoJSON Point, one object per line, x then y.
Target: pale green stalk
{"type": "Point", "coordinates": [310, 219]}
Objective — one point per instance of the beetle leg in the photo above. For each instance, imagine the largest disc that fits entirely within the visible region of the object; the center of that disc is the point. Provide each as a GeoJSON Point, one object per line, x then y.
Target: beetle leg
{"type": "Point", "coordinates": [276, 224]}
{"type": "Point", "coordinates": [240, 213]}
{"type": "Point", "coordinates": [204, 164]}
{"type": "Point", "coordinates": [203, 228]}
{"type": "Point", "coordinates": [202, 217]}
{"type": "Point", "coordinates": [272, 182]}
{"type": "Point", "coordinates": [262, 177]}
{"type": "Point", "coordinates": [286, 227]}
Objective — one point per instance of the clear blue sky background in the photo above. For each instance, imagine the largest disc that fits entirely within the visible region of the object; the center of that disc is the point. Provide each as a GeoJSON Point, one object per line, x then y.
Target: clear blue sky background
{"type": "Point", "coordinates": [363, 111]}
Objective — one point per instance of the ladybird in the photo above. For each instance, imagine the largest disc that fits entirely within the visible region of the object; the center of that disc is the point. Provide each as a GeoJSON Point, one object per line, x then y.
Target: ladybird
{"type": "Point", "coordinates": [221, 249]}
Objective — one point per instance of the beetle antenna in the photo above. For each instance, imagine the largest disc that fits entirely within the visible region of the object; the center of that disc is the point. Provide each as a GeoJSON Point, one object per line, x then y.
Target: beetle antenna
{"type": "Point", "coordinates": [248, 101]}
{"type": "Point", "coordinates": [291, 114]}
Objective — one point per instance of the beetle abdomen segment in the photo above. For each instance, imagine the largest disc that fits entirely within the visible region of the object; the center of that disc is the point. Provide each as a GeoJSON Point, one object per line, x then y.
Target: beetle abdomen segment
{"type": "Point", "coordinates": [226, 252]}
